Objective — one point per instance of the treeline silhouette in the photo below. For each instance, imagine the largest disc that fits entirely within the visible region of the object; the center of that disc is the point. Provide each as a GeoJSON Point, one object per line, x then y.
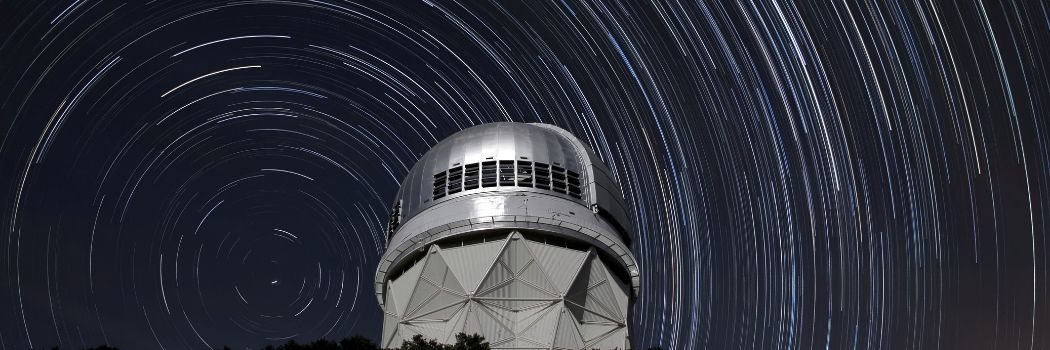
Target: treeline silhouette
{"type": "Point", "coordinates": [463, 342]}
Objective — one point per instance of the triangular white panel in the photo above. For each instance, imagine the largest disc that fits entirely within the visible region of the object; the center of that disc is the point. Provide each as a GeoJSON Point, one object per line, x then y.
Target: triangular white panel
{"type": "Point", "coordinates": [526, 343]}
{"type": "Point", "coordinates": [514, 298]}
{"type": "Point", "coordinates": [471, 324]}
{"type": "Point", "coordinates": [604, 295]}
{"type": "Point", "coordinates": [437, 287]}
{"type": "Point", "coordinates": [528, 280]}
{"type": "Point", "coordinates": [438, 272]}
{"type": "Point", "coordinates": [527, 316]}
{"type": "Point", "coordinates": [402, 287]}
{"type": "Point", "coordinates": [498, 276]}
{"type": "Point", "coordinates": [509, 343]}
{"type": "Point", "coordinates": [391, 306]}
{"type": "Point", "coordinates": [566, 336]}
{"type": "Point", "coordinates": [438, 292]}
{"type": "Point", "coordinates": [425, 290]}
{"type": "Point", "coordinates": [535, 276]}
{"type": "Point", "coordinates": [620, 290]}
{"type": "Point", "coordinates": [615, 339]}
{"type": "Point", "coordinates": [430, 330]}
{"type": "Point", "coordinates": [494, 325]}
{"type": "Point", "coordinates": [539, 325]}
{"type": "Point", "coordinates": [589, 315]}
{"type": "Point", "coordinates": [389, 330]}
{"type": "Point", "coordinates": [561, 264]}
{"type": "Point", "coordinates": [456, 324]}
{"type": "Point", "coordinates": [440, 308]}
{"type": "Point", "coordinates": [517, 289]}
{"type": "Point", "coordinates": [592, 291]}
{"type": "Point", "coordinates": [593, 332]}
{"type": "Point", "coordinates": [516, 305]}
{"type": "Point", "coordinates": [470, 263]}
{"type": "Point", "coordinates": [516, 255]}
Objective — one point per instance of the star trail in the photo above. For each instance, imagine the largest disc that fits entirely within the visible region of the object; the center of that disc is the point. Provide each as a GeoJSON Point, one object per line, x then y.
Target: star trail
{"type": "Point", "coordinates": [800, 175]}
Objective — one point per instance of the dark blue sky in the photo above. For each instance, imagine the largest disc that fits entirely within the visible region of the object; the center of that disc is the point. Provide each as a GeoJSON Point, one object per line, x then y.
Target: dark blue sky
{"type": "Point", "coordinates": [801, 175]}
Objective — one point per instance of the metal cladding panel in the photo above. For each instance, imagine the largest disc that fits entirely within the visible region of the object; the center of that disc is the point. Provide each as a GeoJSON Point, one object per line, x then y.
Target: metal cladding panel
{"type": "Point", "coordinates": [527, 318]}
{"type": "Point", "coordinates": [471, 263]}
{"type": "Point", "coordinates": [607, 195]}
{"type": "Point", "coordinates": [593, 332]}
{"type": "Point", "coordinates": [435, 330]}
{"type": "Point", "coordinates": [443, 302]}
{"type": "Point", "coordinates": [505, 317]}
{"type": "Point", "coordinates": [389, 328]}
{"type": "Point", "coordinates": [539, 327]}
{"type": "Point", "coordinates": [516, 256]}
{"type": "Point", "coordinates": [602, 336]}
{"type": "Point", "coordinates": [494, 141]}
{"type": "Point", "coordinates": [497, 276]}
{"type": "Point", "coordinates": [391, 336]}
{"type": "Point", "coordinates": [536, 276]}
{"type": "Point", "coordinates": [566, 334]}
{"type": "Point", "coordinates": [441, 308]}
{"type": "Point", "coordinates": [528, 279]}
{"type": "Point", "coordinates": [438, 272]}
{"type": "Point", "coordinates": [456, 324]}
{"type": "Point", "coordinates": [511, 211]}
{"type": "Point", "coordinates": [519, 304]}
{"type": "Point", "coordinates": [586, 315]}
{"type": "Point", "coordinates": [616, 339]}
{"type": "Point", "coordinates": [494, 327]}
{"type": "Point", "coordinates": [620, 290]}
{"type": "Point", "coordinates": [561, 264]}
{"type": "Point", "coordinates": [424, 290]}
{"type": "Point", "coordinates": [603, 294]}
{"type": "Point", "coordinates": [403, 286]}
{"type": "Point", "coordinates": [518, 309]}
{"type": "Point", "coordinates": [593, 292]}
{"type": "Point", "coordinates": [518, 289]}
{"type": "Point", "coordinates": [471, 323]}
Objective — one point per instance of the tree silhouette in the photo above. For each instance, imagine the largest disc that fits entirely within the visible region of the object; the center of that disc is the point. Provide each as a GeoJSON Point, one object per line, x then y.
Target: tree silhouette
{"type": "Point", "coordinates": [470, 342]}
{"type": "Point", "coordinates": [463, 342]}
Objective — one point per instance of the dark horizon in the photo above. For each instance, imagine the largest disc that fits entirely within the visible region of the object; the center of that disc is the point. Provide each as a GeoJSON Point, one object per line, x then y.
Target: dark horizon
{"type": "Point", "coordinates": [799, 175]}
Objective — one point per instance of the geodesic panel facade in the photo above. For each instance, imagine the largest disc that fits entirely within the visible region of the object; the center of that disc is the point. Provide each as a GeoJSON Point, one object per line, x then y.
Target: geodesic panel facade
{"type": "Point", "coordinates": [518, 293]}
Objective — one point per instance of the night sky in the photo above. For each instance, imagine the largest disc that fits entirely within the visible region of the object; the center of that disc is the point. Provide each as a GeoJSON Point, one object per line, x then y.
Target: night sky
{"type": "Point", "coordinates": [801, 174]}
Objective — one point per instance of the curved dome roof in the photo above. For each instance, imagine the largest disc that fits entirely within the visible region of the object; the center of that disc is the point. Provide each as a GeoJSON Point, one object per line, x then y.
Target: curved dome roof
{"type": "Point", "coordinates": [491, 145]}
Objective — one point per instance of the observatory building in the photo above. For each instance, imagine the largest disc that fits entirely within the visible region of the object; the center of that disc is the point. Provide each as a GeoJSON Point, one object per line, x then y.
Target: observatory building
{"type": "Point", "coordinates": [513, 231]}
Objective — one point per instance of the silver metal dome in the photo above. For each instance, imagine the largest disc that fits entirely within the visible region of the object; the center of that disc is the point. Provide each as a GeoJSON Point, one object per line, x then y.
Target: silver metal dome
{"type": "Point", "coordinates": [513, 231]}
{"type": "Point", "coordinates": [536, 143]}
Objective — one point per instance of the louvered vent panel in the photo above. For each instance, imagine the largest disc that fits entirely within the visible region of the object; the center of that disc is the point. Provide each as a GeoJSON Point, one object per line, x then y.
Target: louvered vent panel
{"type": "Point", "coordinates": [558, 179]}
{"type": "Point", "coordinates": [439, 184]}
{"type": "Point", "coordinates": [543, 176]}
{"type": "Point", "coordinates": [470, 176]}
{"type": "Point", "coordinates": [455, 180]}
{"type": "Point", "coordinates": [574, 183]}
{"type": "Point", "coordinates": [524, 173]}
{"type": "Point", "coordinates": [507, 173]}
{"type": "Point", "coordinates": [488, 174]}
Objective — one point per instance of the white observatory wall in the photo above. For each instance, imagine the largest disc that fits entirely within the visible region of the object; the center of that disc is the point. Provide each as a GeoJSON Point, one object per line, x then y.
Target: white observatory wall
{"type": "Point", "coordinates": [518, 293]}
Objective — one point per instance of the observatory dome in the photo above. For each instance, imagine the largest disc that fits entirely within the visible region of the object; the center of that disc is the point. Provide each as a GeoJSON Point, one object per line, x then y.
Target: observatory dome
{"type": "Point", "coordinates": [586, 179]}
{"type": "Point", "coordinates": [517, 232]}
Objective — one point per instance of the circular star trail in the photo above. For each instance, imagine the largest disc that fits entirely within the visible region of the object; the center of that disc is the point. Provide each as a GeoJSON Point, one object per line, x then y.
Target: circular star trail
{"type": "Point", "coordinates": [801, 175]}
